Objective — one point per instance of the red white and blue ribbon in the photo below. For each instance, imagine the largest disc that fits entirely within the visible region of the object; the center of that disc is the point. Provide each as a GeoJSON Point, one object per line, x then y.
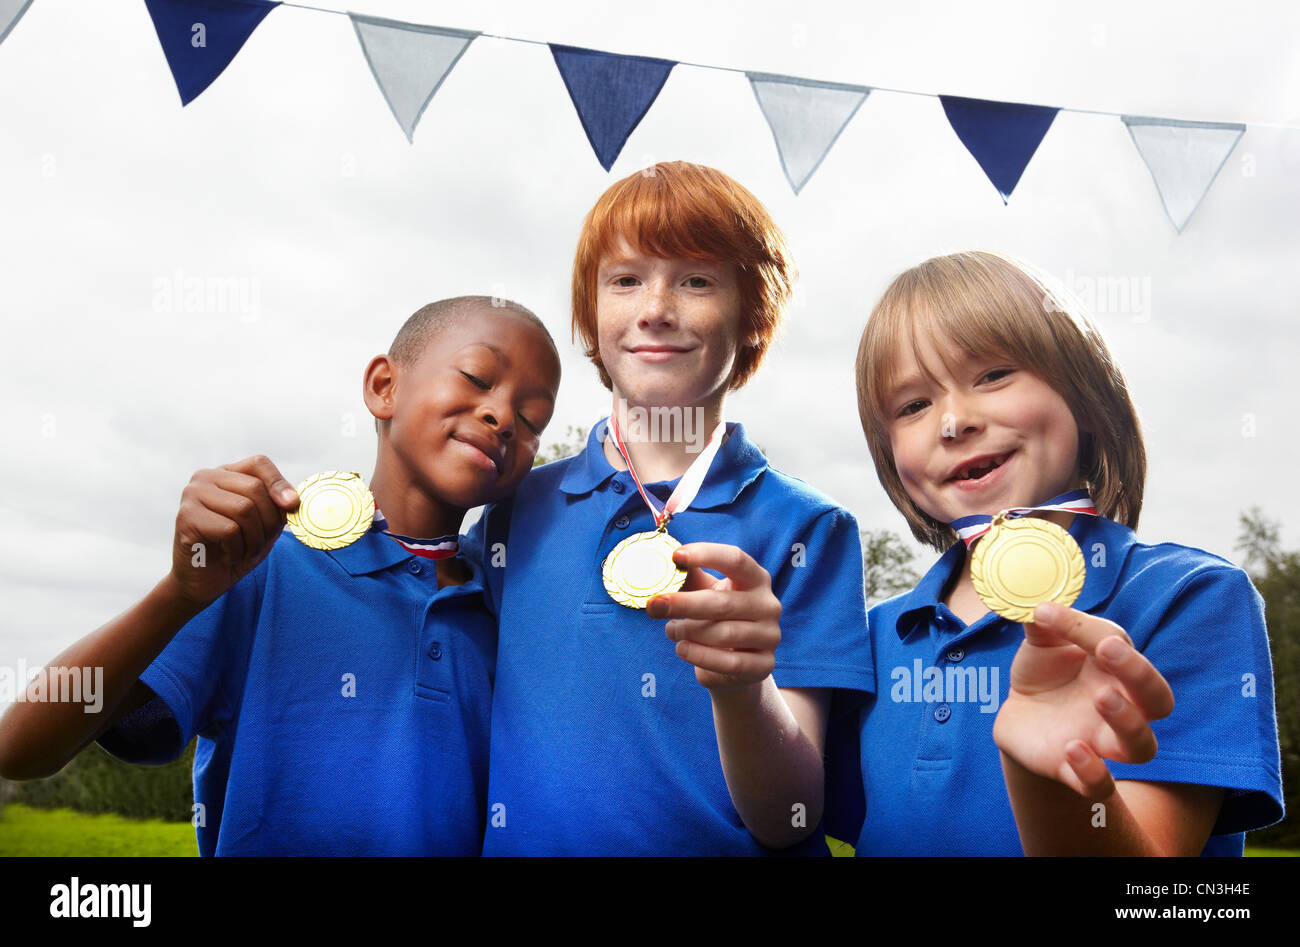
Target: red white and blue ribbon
{"type": "Point", "coordinates": [444, 547]}
{"type": "Point", "coordinates": [687, 487]}
{"type": "Point", "coordinates": [971, 528]}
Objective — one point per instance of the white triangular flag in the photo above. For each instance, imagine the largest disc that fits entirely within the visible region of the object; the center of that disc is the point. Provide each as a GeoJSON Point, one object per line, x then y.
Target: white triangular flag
{"type": "Point", "coordinates": [806, 117]}
{"type": "Point", "coordinates": [11, 11]}
{"type": "Point", "coordinates": [1183, 157]}
{"type": "Point", "coordinates": [409, 62]}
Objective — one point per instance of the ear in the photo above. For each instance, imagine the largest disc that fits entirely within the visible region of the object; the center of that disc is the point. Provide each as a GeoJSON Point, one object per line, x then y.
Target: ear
{"type": "Point", "coordinates": [379, 386]}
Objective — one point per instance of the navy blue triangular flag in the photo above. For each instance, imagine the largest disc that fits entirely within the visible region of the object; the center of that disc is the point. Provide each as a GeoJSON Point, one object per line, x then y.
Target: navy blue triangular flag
{"type": "Point", "coordinates": [1002, 136]}
{"type": "Point", "coordinates": [201, 37]}
{"type": "Point", "coordinates": [611, 93]}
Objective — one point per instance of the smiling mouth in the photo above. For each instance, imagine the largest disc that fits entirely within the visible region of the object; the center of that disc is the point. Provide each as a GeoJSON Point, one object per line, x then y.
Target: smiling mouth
{"type": "Point", "coordinates": [484, 459]}
{"type": "Point", "coordinates": [980, 469]}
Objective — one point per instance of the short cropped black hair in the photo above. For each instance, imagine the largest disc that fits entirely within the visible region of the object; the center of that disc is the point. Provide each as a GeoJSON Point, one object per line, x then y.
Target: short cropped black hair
{"type": "Point", "coordinates": [427, 321]}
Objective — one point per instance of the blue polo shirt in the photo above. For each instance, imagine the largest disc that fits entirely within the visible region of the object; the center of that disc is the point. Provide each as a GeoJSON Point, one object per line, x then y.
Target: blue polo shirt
{"type": "Point", "coordinates": [342, 703]}
{"type": "Point", "coordinates": [602, 738]}
{"type": "Point", "coordinates": [930, 770]}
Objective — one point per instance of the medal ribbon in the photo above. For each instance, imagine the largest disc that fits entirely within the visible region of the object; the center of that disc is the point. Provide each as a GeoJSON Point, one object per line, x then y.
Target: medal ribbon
{"type": "Point", "coordinates": [971, 528]}
{"type": "Point", "coordinates": [444, 547]}
{"type": "Point", "coordinates": [687, 487]}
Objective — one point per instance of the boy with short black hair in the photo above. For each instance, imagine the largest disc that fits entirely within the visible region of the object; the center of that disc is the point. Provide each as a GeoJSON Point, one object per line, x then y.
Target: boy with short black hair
{"type": "Point", "coordinates": [341, 695]}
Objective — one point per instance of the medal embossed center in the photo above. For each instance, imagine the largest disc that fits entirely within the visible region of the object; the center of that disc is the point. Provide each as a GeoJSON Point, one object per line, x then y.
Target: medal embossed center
{"type": "Point", "coordinates": [1021, 562]}
{"type": "Point", "coordinates": [335, 510]}
{"type": "Point", "coordinates": [641, 566]}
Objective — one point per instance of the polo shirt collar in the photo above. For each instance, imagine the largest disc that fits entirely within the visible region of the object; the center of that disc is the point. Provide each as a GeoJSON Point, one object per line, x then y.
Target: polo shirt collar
{"type": "Point", "coordinates": [1098, 583]}
{"type": "Point", "coordinates": [737, 464]}
{"type": "Point", "coordinates": [374, 552]}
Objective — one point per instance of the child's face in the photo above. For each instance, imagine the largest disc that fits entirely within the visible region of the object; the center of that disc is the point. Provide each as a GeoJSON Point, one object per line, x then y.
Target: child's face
{"type": "Point", "coordinates": [468, 414]}
{"type": "Point", "coordinates": [667, 328]}
{"type": "Point", "coordinates": [984, 415]}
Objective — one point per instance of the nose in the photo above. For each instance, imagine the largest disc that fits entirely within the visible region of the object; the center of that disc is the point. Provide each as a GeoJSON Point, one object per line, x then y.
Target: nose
{"type": "Point", "coordinates": [495, 412]}
{"type": "Point", "coordinates": [959, 417]}
{"type": "Point", "coordinates": [658, 307]}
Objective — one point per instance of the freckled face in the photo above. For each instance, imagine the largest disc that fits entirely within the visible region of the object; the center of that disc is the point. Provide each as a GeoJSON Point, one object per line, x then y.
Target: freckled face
{"type": "Point", "coordinates": [667, 329]}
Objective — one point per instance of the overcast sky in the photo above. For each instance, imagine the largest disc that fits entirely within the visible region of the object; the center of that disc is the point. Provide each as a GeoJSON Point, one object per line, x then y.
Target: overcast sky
{"type": "Point", "coordinates": [290, 177]}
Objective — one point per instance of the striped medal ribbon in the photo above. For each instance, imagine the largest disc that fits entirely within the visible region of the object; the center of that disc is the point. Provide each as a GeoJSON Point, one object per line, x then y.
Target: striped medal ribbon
{"type": "Point", "coordinates": [444, 547]}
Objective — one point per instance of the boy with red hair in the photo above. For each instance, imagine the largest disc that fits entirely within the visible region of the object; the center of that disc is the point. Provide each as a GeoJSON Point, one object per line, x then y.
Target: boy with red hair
{"type": "Point", "coordinates": [603, 739]}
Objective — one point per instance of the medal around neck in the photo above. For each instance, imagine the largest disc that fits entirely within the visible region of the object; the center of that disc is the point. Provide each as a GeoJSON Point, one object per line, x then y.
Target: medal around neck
{"type": "Point", "coordinates": [641, 567]}
{"type": "Point", "coordinates": [1022, 562]}
{"type": "Point", "coordinates": [336, 510]}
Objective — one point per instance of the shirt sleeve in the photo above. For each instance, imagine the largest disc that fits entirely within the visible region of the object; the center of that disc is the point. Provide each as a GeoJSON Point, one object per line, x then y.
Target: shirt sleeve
{"type": "Point", "coordinates": [1210, 642]}
{"type": "Point", "coordinates": [198, 679]}
{"type": "Point", "coordinates": [824, 639]}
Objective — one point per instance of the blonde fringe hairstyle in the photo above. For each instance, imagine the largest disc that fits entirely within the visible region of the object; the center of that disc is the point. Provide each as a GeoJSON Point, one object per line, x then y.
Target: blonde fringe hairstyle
{"type": "Point", "coordinates": [992, 305]}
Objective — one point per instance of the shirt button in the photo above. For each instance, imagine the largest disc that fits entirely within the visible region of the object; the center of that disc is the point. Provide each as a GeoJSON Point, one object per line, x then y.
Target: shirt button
{"type": "Point", "coordinates": [414, 567]}
{"type": "Point", "coordinates": [942, 712]}
{"type": "Point", "coordinates": [435, 651]}
{"type": "Point", "coordinates": [955, 654]}
{"type": "Point", "coordinates": [622, 522]}
{"type": "Point", "coordinates": [618, 486]}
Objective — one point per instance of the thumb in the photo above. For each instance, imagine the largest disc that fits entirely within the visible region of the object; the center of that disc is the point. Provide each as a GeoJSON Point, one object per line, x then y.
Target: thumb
{"type": "Point", "coordinates": [1043, 635]}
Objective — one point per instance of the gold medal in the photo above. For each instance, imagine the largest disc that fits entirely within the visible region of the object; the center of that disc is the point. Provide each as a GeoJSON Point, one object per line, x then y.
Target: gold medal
{"type": "Point", "coordinates": [641, 567]}
{"type": "Point", "coordinates": [1020, 563]}
{"type": "Point", "coordinates": [336, 510]}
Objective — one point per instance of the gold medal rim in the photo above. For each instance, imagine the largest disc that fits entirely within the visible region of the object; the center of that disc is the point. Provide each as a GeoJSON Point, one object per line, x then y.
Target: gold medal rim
{"type": "Point", "coordinates": [1004, 535]}
{"type": "Point", "coordinates": [351, 483]}
{"type": "Point", "coordinates": [628, 599]}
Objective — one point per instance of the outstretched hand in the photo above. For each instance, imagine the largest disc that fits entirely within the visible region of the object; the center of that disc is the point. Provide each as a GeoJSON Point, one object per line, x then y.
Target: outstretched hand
{"type": "Point", "coordinates": [1080, 694]}
{"type": "Point", "coordinates": [727, 628]}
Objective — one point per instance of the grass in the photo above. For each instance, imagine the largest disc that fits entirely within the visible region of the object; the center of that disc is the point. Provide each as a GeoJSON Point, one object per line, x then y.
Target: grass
{"type": "Point", "coordinates": [63, 832]}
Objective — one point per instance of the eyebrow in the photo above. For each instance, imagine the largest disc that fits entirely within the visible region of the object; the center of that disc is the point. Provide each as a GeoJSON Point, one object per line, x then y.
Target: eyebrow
{"type": "Point", "coordinates": [896, 388]}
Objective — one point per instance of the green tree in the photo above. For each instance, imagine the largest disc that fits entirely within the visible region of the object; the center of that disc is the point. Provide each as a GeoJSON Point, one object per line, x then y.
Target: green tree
{"type": "Point", "coordinates": [575, 439]}
{"type": "Point", "coordinates": [94, 781]}
{"type": "Point", "coordinates": [886, 565]}
{"type": "Point", "coordinates": [1276, 575]}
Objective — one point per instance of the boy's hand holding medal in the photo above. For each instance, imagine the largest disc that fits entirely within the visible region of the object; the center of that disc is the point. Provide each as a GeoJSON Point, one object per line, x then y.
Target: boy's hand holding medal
{"type": "Point", "coordinates": [1079, 694]}
{"type": "Point", "coordinates": [728, 628]}
{"type": "Point", "coordinates": [228, 520]}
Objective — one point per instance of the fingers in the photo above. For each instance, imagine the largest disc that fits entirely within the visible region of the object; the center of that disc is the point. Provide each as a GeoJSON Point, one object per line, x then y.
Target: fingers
{"type": "Point", "coordinates": [742, 665]}
{"type": "Point", "coordinates": [201, 525]}
{"type": "Point", "coordinates": [1131, 739]}
{"type": "Point", "coordinates": [1145, 685]}
{"type": "Point", "coordinates": [1114, 651]}
{"type": "Point", "coordinates": [717, 604]}
{"type": "Point", "coordinates": [740, 635]}
{"type": "Point", "coordinates": [696, 579]}
{"type": "Point", "coordinates": [233, 509]}
{"type": "Point", "coordinates": [1086, 772]}
{"type": "Point", "coordinates": [279, 489]}
{"type": "Point", "coordinates": [1087, 631]}
{"type": "Point", "coordinates": [731, 561]}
